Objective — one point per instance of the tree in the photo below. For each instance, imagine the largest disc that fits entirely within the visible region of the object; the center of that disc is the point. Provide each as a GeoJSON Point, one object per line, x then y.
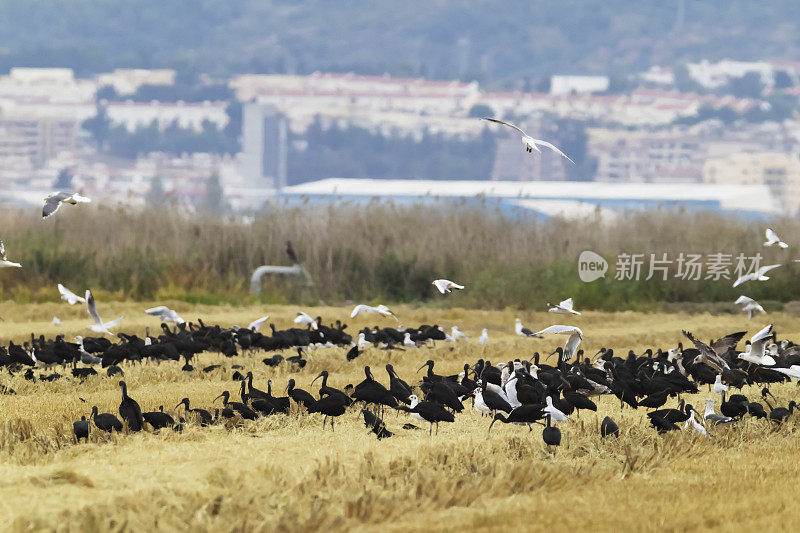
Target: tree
{"type": "Point", "coordinates": [214, 198]}
{"type": "Point", "coordinates": [155, 196]}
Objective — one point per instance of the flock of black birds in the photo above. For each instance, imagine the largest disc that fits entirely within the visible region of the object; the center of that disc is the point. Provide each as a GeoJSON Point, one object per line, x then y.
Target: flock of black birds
{"type": "Point", "coordinates": [518, 391]}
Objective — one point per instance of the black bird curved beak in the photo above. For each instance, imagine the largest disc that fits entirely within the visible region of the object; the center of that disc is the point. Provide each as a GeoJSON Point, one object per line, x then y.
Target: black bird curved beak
{"type": "Point", "coordinates": [217, 398]}
{"type": "Point", "coordinates": [423, 366]}
{"type": "Point", "coordinates": [316, 378]}
{"type": "Point", "coordinates": [551, 355]}
{"type": "Point", "coordinates": [490, 425]}
{"type": "Point", "coordinates": [178, 405]}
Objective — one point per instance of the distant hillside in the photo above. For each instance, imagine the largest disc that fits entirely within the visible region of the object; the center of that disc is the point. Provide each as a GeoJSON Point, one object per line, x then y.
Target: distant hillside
{"type": "Point", "coordinates": [500, 43]}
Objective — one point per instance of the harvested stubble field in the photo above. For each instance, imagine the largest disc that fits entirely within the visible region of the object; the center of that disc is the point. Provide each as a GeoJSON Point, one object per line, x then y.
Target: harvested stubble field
{"type": "Point", "coordinates": [286, 473]}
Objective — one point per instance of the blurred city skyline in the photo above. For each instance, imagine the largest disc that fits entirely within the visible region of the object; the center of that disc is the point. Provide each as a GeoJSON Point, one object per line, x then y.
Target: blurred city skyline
{"type": "Point", "coordinates": [180, 99]}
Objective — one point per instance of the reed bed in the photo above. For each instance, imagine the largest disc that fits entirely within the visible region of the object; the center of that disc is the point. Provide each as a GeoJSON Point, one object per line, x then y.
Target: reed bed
{"type": "Point", "coordinates": [377, 251]}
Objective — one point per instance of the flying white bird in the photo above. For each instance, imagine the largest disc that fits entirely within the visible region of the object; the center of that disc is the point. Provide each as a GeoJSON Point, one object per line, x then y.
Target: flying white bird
{"type": "Point", "coordinates": [757, 275]}
{"type": "Point", "coordinates": [165, 314]}
{"type": "Point", "coordinates": [381, 310]}
{"type": "Point", "coordinates": [529, 142]}
{"type": "Point", "coordinates": [519, 329]}
{"type": "Point", "coordinates": [756, 351]}
{"type": "Point", "coordinates": [99, 326]}
{"type": "Point", "coordinates": [772, 238]}
{"type": "Point", "coordinates": [56, 321]}
{"type": "Point", "coordinates": [4, 262]}
{"type": "Point", "coordinates": [70, 297]}
{"type": "Point", "coordinates": [484, 338]}
{"type": "Point", "coordinates": [565, 308]}
{"type": "Point", "coordinates": [255, 325]}
{"type": "Point", "coordinates": [305, 318]}
{"type": "Point", "coordinates": [445, 285]}
{"type": "Point", "coordinates": [575, 336]}
{"type": "Point", "coordinates": [54, 201]}
{"type": "Point", "coordinates": [749, 306]}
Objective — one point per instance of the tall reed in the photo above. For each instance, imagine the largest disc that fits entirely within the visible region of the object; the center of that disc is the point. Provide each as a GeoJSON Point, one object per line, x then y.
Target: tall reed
{"type": "Point", "coordinates": [378, 251]}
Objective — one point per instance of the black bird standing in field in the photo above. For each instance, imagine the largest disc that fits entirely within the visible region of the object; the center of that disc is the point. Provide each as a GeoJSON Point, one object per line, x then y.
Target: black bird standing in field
{"type": "Point", "coordinates": [524, 414]}
{"type": "Point", "coordinates": [241, 409]}
{"type": "Point", "coordinates": [205, 417]}
{"type": "Point", "coordinates": [158, 419]}
{"type": "Point", "coordinates": [427, 411]}
{"type": "Point", "coordinates": [551, 435]}
{"type": "Point", "coordinates": [400, 389]}
{"type": "Point", "coordinates": [332, 405]}
{"type": "Point", "coordinates": [129, 410]}
{"type": "Point", "coordinates": [325, 390]}
{"type": "Point", "coordinates": [105, 421]}
{"type": "Point", "coordinates": [81, 429]}
{"type": "Point", "coordinates": [300, 396]}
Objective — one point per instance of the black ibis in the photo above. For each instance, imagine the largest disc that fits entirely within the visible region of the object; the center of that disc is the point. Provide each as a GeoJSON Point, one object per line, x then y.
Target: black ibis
{"type": "Point", "coordinates": [158, 419]}
{"type": "Point", "coordinates": [332, 405]}
{"type": "Point", "coordinates": [299, 395]}
{"type": "Point", "coordinates": [551, 435]}
{"type": "Point", "coordinates": [204, 416]}
{"type": "Point", "coordinates": [81, 429]}
{"type": "Point", "coordinates": [427, 411]}
{"type": "Point", "coordinates": [105, 421]}
{"type": "Point", "coordinates": [129, 410]}
{"type": "Point", "coordinates": [371, 391]}
{"type": "Point", "coordinates": [524, 414]}
{"type": "Point", "coordinates": [325, 390]}
{"type": "Point", "coordinates": [400, 389]}
{"type": "Point", "coordinates": [239, 408]}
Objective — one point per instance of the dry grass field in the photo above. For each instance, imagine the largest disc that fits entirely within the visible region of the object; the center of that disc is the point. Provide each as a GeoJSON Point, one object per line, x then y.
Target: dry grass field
{"type": "Point", "coordinates": [286, 473]}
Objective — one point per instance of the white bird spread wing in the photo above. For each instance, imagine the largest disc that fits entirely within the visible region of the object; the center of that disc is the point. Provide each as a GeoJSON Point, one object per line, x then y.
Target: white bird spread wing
{"type": "Point", "coordinates": [741, 300]}
{"type": "Point", "coordinates": [504, 124]}
{"type": "Point", "coordinates": [763, 270]}
{"type": "Point", "coordinates": [69, 296]}
{"type": "Point", "coordinates": [385, 311]}
{"type": "Point", "coordinates": [52, 203]}
{"type": "Point", "coordinates": [761, 335]}
{"type": "Point", "coordinates": [3, 250]}
{"type": "Point", "coordinates": [305, 318]}
{"type": "Point", "coordinates": [161, 311]}
{"type": "Point", "coordinates": [360, 308]}
{"type": "Point", "coordinates": [92, 308]}
{"type": "Point", "coordinates": [255, 325]}
{"type": "Point", "coordinates": [113, 323]}
{"type": "Point", "coordinates": [553, 148]}
{"type": "Point", "coordinates": [560, 330]}
{"type": "Point", "coordinates": [772, 238]}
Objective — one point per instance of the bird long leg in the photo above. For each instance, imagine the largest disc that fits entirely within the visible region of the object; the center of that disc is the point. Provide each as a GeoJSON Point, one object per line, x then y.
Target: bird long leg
{"type": "Point", "coordinates": [323, 421]}
{"type": "Point", "coordinates": [332, 419]}
{"type": "Point", "coordinates": [430, 431]}
{"type": "Point", "coordinates": [437, 428]}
